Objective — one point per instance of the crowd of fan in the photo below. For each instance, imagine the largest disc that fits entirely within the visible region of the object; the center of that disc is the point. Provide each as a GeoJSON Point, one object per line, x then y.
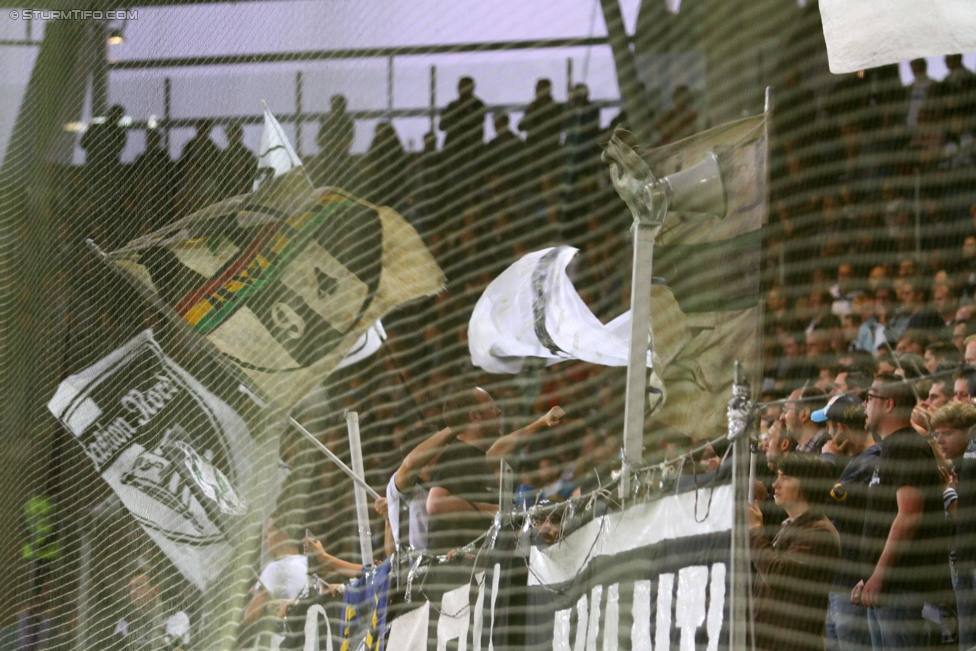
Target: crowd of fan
{"type": "Point", "coordinates": [843, 188]}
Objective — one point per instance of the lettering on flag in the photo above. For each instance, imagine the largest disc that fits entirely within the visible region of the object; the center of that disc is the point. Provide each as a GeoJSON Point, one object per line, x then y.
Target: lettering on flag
{"type": "Point", "coordinates": [175, 454]}
{"type": "Point", "coordinates": [654, 576]}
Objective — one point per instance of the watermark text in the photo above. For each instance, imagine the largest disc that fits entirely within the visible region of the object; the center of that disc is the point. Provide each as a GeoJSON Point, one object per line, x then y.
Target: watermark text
{"type": "Point", "coordinates": [73, 14]}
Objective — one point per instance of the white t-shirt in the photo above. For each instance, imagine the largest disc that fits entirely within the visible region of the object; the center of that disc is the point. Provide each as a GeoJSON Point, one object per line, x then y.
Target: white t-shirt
{"type": "Point", "coordinates": [416, 500]}
{"type": "Point", "coordinates": [286, 578]}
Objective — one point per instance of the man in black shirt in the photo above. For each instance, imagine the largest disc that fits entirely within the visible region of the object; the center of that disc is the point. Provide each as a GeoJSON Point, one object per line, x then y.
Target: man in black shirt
{"type": "Point", "coordinates": [847, 623]}
{"type": "Point", "coordinates": [966, 539]}
{"type": "Point", "coordinates": [904, 545]}
{"type": "Point", "coordinates": [463, 492]}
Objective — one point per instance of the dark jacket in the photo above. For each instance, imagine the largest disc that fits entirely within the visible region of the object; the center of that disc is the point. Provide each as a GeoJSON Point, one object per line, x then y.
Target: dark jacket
{"type": "Point", "coordinates": [795, 571]}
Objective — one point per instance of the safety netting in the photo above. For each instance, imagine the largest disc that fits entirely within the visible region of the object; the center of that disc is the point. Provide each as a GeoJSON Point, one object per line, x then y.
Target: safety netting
{"type": "Point", "coordinates": [316, 317]}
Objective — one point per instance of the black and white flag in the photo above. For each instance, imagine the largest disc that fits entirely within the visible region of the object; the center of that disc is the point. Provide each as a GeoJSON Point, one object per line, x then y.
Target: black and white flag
{"type": "Point", "coordinates": [175, 454]}
{"type": "Point", "coordinates": [277, 156]}
{"type": "Point", "coordinates": [532, 309]}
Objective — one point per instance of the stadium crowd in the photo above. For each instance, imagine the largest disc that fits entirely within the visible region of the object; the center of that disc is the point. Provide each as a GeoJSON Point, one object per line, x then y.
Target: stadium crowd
{"type": "Point", "coordinates": [870, 280]}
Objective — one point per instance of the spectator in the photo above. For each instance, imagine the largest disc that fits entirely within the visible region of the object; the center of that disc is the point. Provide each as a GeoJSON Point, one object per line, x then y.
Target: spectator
{"type": "Point", "coordinates": [201, 149]}
{"type": "Point", "coordinates": [938, 396]}
{"type": "Point", "coordinates": [847, 623]}
{"type": "Point", "coordinates": [284, 578]}
{"type": "Point", "coordinates": [152, 171]}
{"type": "Point", "coordinates": [406, 492]}
{"type": "Point", "coordinates": [904, 544]}
{"type": "Point", "coordinates": [945, 300]}
{"type": "Point", "coordinates": [147, 625]}
{"type": "Point", "coordinates": [464, 122]}
{"type": "Point", "coordinates": [336, 129]}
{"type": "Point", "coordinates": [911, 342]}
{"type": "Point", "coordinates": [872, 332]}
{"type": "Point", "coordinates": [969, 354]}
{"type": "Point", "coordinates": [913, 313]}
{"type": "Point", "coordinates": [939, 352]}
{"type": "Point", "coordinates": [852, 380]}
{"type": "Point", "coordinates": [777, 444]}
{"type": "Point", "coordinates": [798, 422]}
{"type": "Point", "coordinates": [582, 132]}
{"type": "Point", "coordinates": [960, 385]}
{"type": "Point", "coordinates": [463, 493]}
{"type": "Point", "coordinates": [843, 292]}
{"type": "Point", "coordinates": [795, 569]}
{"type": "Point", "coordinates": [333, 165]}
{"type": "Point", "coordinates": [950, 424]}
{"type": "Point", "coordinates": [542, 125]}
{"type": "Point", "coordinates": [104, 141]}
{"type": "Point", "coordinates": [504, 154]}
{"type": "Point", "coordinates": [918, 90]}
{"type": "Point", "coordinates": [385, 166]}
{"type": "Point", "coordinates": [239, 164]}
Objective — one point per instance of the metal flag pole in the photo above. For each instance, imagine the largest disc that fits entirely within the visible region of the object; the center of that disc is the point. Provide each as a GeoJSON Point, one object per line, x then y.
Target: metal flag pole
{"type": "Point", "coordinates": [362, 507]}
{"type": "Point", "coordinates": [645, 232]}
{"type": "Point", "coordinates": [743, 469]}
{"type": "Point", "coordinates": [332, 457]}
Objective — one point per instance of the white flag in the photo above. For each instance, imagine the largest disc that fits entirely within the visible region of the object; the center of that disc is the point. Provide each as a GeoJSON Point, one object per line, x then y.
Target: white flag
{"type": "Point", "coordinates": [533, 310]}
{"type": "Point", "coordinates": [178, 457]}
{"type": "Point", "coordinates": [277, 156]}
{"type": "Point", "coordinates": [366, 345]}
{"type": "Point", "coordinates": [869, 33]}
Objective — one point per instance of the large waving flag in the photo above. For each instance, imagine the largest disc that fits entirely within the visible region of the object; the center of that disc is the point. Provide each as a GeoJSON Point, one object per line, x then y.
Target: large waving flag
{"type": "Point", "coordinates": [286, 280]}
{"type": "Point", "coordinates": [869, 33]}
{"type": "Point", "coordinates": [532, 310]}
{"type": "Point", "coordinates": [178, 457]}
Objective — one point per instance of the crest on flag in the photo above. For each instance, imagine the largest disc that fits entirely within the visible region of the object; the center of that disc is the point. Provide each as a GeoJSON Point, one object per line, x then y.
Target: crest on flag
{"type": "Point", "coordinates": [176, 455]}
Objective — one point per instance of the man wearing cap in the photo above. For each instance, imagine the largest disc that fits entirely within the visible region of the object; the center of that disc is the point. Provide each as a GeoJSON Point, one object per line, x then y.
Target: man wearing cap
{"type": "Point", "coordinates": [847, 623]}
{"type": "Point", "coordinates": [799, 406]}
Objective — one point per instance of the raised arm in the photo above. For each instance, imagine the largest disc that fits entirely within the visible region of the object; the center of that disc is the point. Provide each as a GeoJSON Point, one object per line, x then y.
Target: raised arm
{"type": "Point", "coordinates": [441, 501]}
{"type": "Point", "coordinates": [329, 562]}
{"type": "Point", "coordinates": [406, 475]}
{"type": "Point", "coordinates": [506, 446]}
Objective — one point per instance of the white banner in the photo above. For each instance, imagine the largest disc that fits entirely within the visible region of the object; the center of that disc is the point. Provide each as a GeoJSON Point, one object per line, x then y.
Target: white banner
{"type": "Point", "coordinates": [654, 576]}
{"type": "Point", "coordinates": [532, 309]}
{"type": "Point", "coordinates": [175, 454]}
{"type": "Point", "coordinates": [869, 33]}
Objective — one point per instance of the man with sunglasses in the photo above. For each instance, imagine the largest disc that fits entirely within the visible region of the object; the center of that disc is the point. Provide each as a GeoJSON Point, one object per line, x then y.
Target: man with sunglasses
{"type": "Point", "coordinates": [904, 547]}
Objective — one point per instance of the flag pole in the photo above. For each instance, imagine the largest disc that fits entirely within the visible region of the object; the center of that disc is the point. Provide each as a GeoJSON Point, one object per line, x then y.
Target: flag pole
{"type": "Point", "coordinates": [246, 386]}
{"type": "Point", "coordinates": [333, 458]}
{"type": "Point", "coordinates": [362, 508]}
